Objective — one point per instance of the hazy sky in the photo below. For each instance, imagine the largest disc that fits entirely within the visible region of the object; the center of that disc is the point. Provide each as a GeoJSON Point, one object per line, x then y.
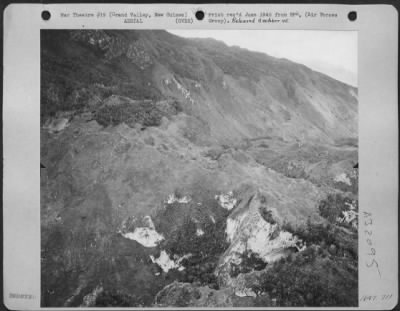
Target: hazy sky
{"type": "Point", "coordinates": [331, 52]}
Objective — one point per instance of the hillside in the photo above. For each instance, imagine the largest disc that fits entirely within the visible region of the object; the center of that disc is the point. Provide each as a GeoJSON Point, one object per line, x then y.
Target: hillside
{"type": "Point", "coordinates": [183, 172]}
{"type": "Point", "coordinates": [237, 93]}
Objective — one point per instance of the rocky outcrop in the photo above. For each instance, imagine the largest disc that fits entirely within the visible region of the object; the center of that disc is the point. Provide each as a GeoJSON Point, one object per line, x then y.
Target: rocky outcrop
{"type": "Point", "coordinates": [249, 233]}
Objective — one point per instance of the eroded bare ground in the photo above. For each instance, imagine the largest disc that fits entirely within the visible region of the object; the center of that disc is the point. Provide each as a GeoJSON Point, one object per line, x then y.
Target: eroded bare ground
{"type": "Point", "coordinates": [211, 187]}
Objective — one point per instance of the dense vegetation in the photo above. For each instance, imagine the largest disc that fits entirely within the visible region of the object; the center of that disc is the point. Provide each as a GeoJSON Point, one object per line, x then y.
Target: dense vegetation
{"type": "Point", "coordinates": [326, 272]}
{"type": "Point", "coordinates": [205, 250]}
{"type": "Point", "coordinates": [181, 223]}
{"type": "Point", "coordinates": [76, 77]}
{"type": "Point", "coordinates": [267, 215]}
{"type": "Point", "coordinates": [249, 261]}
{"type": "Point", "coordinates": [115, 299]}
{"type": "Point", "coordinates": [334, 205]}
{"type": "Point", "coordinates": [146, 113]}
{"type": "Point", "coordinates": [314, 277]}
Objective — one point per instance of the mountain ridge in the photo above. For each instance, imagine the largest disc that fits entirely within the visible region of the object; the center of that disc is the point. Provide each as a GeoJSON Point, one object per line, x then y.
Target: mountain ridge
{"type": "Point", "coordinates": [219, 79]}
{"type": "Point", "coordinates": [185, 174]}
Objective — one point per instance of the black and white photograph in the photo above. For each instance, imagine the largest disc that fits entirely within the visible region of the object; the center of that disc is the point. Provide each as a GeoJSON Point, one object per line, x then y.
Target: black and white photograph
{"type": "Point", "coordinates": [198, 168]}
